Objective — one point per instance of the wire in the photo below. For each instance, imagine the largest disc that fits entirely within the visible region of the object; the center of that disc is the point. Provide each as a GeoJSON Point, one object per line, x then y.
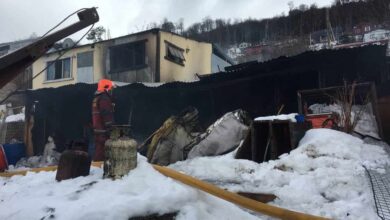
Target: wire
{"type": "Point", "coordinates": [61, 22]}
{"type": "Point", "coordinates": [62, 53]}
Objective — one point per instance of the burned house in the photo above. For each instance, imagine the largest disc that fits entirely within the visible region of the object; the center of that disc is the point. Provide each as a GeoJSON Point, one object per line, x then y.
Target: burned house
{"type": "Point", "coordinates": [259, 88]}
{"type": "Point", "coordinates": [149, 56]}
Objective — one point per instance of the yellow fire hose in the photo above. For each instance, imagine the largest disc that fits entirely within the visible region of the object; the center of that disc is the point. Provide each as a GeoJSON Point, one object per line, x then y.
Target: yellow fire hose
{"type": "Point", "coordinates": [235, 198]}
{"type": "Point", "coordinates": [209, 188]}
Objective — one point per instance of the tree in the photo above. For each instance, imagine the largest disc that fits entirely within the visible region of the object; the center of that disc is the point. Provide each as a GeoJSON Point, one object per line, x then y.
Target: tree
{"type": "Point", "coordinates": [207, 24]}
{"type": "Point", "coordinates": [303, 7]}
{"type": "Point", "coordinates": [350, 114]}
{"type": "Point", "coordinates": [96, 34]}
{"type": "Point", "coordinates": [180, 26]}
{"type": "Point", "coordinates": [33, 35]}
{"type": "Point", "coordinates": [168, 26]}
{"type": "Point", "coordinates": [152, 26]}
{"type": "Point", "coordinates": [194, 29]}
{"type": "Point", "coordinates": [290, 5]}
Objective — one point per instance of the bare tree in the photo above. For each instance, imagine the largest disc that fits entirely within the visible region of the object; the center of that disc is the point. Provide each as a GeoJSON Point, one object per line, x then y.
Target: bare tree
{"type": "Point", "coordinates": [180, 26]}
{"type": "Point", "coordinates": [345, 97]}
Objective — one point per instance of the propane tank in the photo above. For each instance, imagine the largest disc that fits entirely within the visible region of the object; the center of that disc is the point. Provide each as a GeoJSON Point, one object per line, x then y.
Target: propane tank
{"type": "Point", "coordinates": [120, 153]}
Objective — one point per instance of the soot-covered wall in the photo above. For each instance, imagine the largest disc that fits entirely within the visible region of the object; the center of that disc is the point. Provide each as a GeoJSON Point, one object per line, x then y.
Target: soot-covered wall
{"type": "Point", "coordinates": [259, 88]}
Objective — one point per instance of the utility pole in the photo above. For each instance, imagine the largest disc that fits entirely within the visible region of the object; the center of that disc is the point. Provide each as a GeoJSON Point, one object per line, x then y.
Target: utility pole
{"type": "Point", "coordinates": [331, 36]}
{"type": "Point", "coordinates": [266, 32]}
{"type": "Point", "coordinates": [108, 34]}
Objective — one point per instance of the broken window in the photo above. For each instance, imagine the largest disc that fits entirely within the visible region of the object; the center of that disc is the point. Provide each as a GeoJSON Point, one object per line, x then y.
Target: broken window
{"type": "Point", "coordinates": [174, 53]}
{"type": "Point", "coordinates": [59, 69]}
{"type": "Point", "coordinates": [130, 56]}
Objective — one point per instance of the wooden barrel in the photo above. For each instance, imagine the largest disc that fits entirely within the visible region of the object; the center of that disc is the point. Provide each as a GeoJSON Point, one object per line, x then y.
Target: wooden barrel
{"type": "Point", "coordinates": [120, 157]}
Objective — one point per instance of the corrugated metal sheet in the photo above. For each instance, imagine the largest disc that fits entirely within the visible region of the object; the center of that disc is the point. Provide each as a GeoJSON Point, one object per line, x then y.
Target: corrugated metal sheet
{"type": "Point", "coordinates": [260, 89]}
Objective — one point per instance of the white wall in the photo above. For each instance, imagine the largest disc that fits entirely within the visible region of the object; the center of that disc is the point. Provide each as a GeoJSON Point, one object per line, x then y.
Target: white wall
{"type": "Point", "coordinates": [218, 64]}
{"type": "Point", "coordinates": [376, 35]}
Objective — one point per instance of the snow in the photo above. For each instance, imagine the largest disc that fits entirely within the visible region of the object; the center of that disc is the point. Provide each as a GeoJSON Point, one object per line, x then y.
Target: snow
{"type": "Point", "coordinates": [323, 176]}
{"type": "Point", "coordinates": [144, 191]}
{"type": "Point", "coordinates": [290, 117]}
{"type": "Point", "coordinates": [15, 118]}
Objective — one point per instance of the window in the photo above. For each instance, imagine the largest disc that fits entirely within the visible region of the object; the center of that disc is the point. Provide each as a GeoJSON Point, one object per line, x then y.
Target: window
{"type": "Point", "coordinates": [174, 53]}
{"type": "Point", "coordinates": [59, 69]}
{"type": "Point", "coordinates": [129, 56]}
{"type": "Point", "coordinates": [85, 59]}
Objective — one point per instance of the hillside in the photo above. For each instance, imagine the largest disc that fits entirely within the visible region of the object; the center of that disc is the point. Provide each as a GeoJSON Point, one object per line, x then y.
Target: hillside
{"type": "Point", "coordinates": [300, 21]}
{"type": "Point", "coordinates": [288, 34]}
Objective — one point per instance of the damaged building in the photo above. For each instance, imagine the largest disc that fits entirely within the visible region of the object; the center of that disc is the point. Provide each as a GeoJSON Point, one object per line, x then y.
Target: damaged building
{"type": "Point", "coordinates": [258, 88]}
{"type": "Point", "coordinates": [149, 56]}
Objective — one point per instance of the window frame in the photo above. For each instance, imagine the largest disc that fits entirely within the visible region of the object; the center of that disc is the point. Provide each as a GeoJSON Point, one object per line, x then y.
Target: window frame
{"type": "Point", "coordinates": [135, 66]}
{"type": "Point", "coordinates": [169, 44]}
{"type": "Point", "coordinates": [53, 62]}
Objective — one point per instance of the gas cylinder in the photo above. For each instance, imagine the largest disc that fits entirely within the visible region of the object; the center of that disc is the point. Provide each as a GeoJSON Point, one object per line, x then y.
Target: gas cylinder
{"type": "Point", "coordinates": [120, 154]}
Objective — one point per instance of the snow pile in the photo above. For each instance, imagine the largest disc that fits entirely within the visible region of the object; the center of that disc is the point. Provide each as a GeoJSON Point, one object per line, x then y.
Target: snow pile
{"type": "Point", "coordinates": [290, 117]}
{"type": "Point", "coordinates": [366, 124]}
{"type": "Point", "coordinates": [15, 118]}
{"type": "Point", "coordinates": [323, 176]}
{"type": "Point", "coordinates": [144, 191]}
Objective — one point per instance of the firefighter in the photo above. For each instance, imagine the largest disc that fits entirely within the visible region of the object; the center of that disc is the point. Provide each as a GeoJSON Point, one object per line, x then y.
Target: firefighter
{"type": "Point", "coordinates": [102, 116]}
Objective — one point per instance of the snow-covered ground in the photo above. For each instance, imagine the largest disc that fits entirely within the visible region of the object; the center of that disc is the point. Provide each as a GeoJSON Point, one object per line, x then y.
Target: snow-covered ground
{"type": "Point", "coordinates": [323, 176]}
{"type": "Point", "coordinates": [144, 191]}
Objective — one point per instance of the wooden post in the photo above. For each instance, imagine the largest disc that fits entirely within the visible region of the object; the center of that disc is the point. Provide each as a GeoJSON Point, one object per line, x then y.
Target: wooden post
{"type": "Point", "coordinates": [28, 135]}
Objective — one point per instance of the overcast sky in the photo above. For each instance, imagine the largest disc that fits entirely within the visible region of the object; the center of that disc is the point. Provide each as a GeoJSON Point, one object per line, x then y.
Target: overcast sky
{"type": "Point", "coordinates": [21, 18]}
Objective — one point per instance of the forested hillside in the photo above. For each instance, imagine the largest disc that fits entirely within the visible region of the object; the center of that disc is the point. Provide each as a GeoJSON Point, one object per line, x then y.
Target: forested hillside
{"type": "Point", "coordinates": [301, 20]}
{"type": "Point", "coordinates": [285, 34]}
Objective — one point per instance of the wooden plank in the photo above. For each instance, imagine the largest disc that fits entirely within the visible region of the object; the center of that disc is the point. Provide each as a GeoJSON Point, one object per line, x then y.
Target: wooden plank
{"type": "Point", "coordinates": [28, 135]}
{"type": "Point", "coordinates": [37, 170]}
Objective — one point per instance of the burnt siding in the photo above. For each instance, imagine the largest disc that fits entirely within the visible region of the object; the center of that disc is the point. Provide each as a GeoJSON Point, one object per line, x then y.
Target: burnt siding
{"type": "Point", "coordinates": [259, 88]}
{"type": "Point", "coordinates": [366, 63]}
